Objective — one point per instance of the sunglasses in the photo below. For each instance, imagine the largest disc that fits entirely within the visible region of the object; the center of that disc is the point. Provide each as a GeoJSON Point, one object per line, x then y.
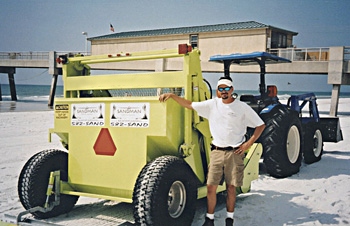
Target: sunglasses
{"type": "Point", "coordinates": [226, 88]}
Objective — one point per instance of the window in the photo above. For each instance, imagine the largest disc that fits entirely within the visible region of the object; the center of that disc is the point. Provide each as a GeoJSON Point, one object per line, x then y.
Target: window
{"type": "Point", "coordinates": [284, 41]}
{"type": "Point", "coordinates": [194, 41]}
{"type": "Point", "coordinates": [278, 40]}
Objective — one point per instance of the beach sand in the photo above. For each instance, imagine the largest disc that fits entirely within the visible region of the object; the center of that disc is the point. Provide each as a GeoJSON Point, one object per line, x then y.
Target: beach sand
{"type": "Point", "coordinates": [318, 195]}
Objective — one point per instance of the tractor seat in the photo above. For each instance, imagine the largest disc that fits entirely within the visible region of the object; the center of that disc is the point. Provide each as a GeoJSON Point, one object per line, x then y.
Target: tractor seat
{"type": "Point", "coordinates": [248, 99]}
{"type": "Point", "coordinates": [251, 101]}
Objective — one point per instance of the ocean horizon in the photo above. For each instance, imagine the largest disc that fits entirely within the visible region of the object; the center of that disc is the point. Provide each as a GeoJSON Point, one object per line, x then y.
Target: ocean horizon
{"type": "Point", "coordinates": [36, 97]}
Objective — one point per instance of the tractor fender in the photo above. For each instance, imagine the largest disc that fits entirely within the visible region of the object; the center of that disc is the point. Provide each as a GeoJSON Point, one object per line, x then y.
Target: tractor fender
{"type": "Point", "coordinates": [268, 108]}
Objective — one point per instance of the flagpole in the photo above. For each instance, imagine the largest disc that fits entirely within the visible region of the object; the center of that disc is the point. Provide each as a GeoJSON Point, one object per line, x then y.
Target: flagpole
{"type": "Point", "coordinates": [86, 42]}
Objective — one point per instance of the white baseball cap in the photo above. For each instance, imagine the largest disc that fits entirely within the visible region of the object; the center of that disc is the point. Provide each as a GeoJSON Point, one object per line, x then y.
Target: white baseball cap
{"type": "Point", "coordinates": [224, 82]}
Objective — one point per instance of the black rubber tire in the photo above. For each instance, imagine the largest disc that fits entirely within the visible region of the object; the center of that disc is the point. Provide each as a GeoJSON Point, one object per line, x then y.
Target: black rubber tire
{"type": "Point", "coordinates": [313, 143]}
{"type": "Point", "coordinates": [34, 178]}
{"type": "Point", "coordinates": [280, 158]}
{"type": "Point", "coordinates": [161, 187]}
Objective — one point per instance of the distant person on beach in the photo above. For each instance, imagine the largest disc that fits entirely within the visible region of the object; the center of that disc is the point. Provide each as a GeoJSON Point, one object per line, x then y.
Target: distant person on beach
{"type": "Point", "coordinates": [228, 120]}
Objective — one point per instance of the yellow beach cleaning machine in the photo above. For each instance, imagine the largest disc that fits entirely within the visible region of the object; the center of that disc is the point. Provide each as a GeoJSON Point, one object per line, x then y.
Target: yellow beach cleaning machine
{"type": "Point", "coordinates": [122, 144]}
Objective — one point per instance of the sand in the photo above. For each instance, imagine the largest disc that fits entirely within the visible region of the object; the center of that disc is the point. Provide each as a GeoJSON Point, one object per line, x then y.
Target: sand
{"type": "Point", "coordinates": [318, 195]}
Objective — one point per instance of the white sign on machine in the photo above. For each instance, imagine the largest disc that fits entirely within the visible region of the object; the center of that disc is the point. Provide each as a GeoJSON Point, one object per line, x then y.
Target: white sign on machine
{"type": "Point", "coordinates": [92, 114]}
{"type": "Point", "coordinates": [130, 115]}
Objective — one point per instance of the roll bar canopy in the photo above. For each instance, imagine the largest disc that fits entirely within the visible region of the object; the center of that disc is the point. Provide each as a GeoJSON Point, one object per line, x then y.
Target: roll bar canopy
{"type": "Point", "coordinates": [261, 58]}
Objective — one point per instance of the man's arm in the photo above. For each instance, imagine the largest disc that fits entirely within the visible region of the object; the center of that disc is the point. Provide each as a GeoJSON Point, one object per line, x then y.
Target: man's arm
{"type": "Point", "coordinates": [246, 145]}
{"type": "Point", "coordinates": [183, 102]}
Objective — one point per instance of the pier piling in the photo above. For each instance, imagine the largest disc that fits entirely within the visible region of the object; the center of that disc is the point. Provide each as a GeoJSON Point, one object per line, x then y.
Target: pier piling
{"type": "Point", "coordinates": [10, 71]}
{"type": "Point", "coordinates": [12, 86]}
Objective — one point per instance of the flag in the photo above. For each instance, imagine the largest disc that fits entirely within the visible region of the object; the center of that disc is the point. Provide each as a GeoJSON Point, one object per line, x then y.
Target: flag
{"type": "Point", "coordinates": [111, 27]}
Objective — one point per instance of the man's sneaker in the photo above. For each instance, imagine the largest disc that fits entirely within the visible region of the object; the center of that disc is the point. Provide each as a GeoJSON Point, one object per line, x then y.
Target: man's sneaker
{"type": "Point", "coordinates": [208, 222]}
{"type": "Point", "coordinates": [229, 222]}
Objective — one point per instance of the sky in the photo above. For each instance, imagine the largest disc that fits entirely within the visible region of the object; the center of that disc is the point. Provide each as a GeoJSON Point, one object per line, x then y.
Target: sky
{"type": "Point", "coordinates": [47, 25]}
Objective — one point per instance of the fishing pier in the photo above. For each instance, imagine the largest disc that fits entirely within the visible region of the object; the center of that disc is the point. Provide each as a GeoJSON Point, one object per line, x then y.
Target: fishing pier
{"type": "Point", "coordinates": [333, 61]}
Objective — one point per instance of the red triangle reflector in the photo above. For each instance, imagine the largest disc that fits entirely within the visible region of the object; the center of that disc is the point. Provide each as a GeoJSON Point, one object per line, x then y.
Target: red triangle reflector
{"type": "Point", "coordinates": [104, 144]}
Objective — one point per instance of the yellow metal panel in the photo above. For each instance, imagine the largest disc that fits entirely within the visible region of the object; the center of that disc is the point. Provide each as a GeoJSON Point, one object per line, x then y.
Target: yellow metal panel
{"type": "Point", "coordinates": [251, 166]}
{"type": "Point", "coordinates": [150, 80]}
{"type": "Point", "coordinates": [94, 194]}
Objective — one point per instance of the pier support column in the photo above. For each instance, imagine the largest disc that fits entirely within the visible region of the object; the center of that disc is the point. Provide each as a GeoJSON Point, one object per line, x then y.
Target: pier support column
{"type": "Point", "coordinates": [336, 76]}
{"type": "Point", "coordinates": [334, 100]}
{"type": "Point", "coordinates": [10, 71]}
{"type": "Point", "coordinates": [12, 86]}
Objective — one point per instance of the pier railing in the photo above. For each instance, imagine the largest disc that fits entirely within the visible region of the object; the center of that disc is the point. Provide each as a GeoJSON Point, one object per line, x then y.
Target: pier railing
{"type": "Point", "coordinates": [303, 54]}
{"type": "Point", "coordinates": [308, 54]}
{"type": "Point", "coordinates": [24, 55]}
{"type": "Point", "coordinates": [33, 55]}
{"type": "Point", "coordinates": [293, 54]}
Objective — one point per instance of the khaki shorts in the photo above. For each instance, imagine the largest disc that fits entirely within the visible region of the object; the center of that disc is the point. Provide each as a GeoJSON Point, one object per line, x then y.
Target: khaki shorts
{"type": "Point", "coordinates": [228, 165]}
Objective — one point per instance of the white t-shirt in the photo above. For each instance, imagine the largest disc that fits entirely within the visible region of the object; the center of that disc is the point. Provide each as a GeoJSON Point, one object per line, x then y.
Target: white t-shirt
{"type": "Point", "coordinates": [227, 122]}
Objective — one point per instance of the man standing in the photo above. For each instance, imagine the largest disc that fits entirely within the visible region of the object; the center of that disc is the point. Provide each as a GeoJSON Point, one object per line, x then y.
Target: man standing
{"type": "Point", "coordinates": [228, 120]}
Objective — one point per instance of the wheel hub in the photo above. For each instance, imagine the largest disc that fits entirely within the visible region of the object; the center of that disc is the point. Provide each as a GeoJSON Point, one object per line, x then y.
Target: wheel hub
{"type": "Point", "coordinates": [293, 144]}
{"type": "Point", "coordinates": [317, 143]}
{"type": "Point", "coordinates": [176, 199]}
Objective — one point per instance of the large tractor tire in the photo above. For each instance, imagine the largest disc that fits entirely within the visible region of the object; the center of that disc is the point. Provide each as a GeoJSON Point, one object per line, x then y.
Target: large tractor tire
{"type": "Point", "coordinates": [34, 179]}
{"type": "Point", "coordinates": [313, 142]}
{"type": "Point", "coordinates": [165, 193]}
{"type": "Point", "coordinates": [282, 142]}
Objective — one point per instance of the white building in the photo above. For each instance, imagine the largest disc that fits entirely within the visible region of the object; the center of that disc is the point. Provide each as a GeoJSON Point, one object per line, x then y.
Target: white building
{"type": "Point", "coordinates": [241, 37]}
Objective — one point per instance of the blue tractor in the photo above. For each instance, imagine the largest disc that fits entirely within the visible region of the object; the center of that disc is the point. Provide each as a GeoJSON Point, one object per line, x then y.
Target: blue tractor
{"type": "Point", "coordinates": [289, 136]}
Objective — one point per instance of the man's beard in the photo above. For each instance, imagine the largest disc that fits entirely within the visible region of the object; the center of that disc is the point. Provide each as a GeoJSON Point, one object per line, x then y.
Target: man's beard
{"type": "Point", "coordinates": [224, 96]}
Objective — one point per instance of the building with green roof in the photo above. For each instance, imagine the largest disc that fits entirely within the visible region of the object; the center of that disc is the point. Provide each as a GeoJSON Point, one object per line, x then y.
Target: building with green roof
{"type": "Point", "coordinates": [240, 37]}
